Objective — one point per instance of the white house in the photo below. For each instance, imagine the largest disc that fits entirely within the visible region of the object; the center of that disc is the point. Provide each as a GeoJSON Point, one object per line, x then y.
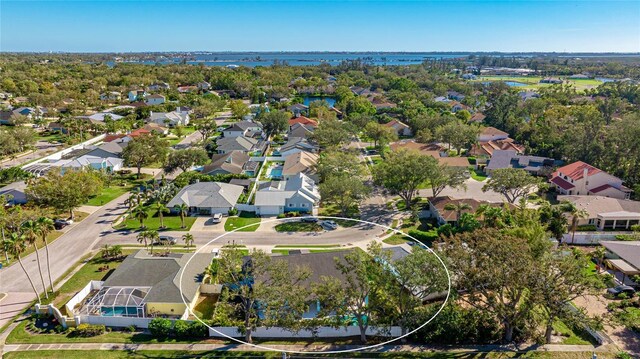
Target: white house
{"type": "Point", "coordinates": [170, 119]}
{"type": "Point", "coordinates": [135, 95]}
{"type": "Point", "coordinates": [154, 99]}
{"type": "Point", "coordinates": [581, 178]}
{"type": "Point", "coordinates": [606, 213]}
{"type": "Point", "coordinates": [298, 193]}
{"type": "Point", "coordinates": [243, 128]}
{"type": "Point", "coordinates": [207, 198]}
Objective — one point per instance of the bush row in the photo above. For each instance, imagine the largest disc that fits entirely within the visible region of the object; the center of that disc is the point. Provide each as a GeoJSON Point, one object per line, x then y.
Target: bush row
{"type": "Point", "coordinates": [163, 328]}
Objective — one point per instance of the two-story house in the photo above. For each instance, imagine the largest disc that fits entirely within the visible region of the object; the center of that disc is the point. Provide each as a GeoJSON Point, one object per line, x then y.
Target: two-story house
{"type": "Point", "coordinates": [582, 179]}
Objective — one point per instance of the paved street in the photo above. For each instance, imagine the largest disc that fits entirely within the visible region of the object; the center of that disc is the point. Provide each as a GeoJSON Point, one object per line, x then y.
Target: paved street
{"type": "Point", "coordinates": [43, 148]}
{"type": "Point", "coordinates": [64, 253]}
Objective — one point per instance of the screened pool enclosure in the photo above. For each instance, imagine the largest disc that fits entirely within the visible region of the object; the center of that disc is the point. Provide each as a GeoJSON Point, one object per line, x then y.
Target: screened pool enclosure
{"type": "Point", "coordinates": [118, 302]}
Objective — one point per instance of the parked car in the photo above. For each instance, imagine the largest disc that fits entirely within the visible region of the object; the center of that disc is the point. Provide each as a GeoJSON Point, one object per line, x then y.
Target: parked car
{"type": "Point", "coordinates": [61, 223]}
{"type": "Point", "coordinates": [329, 225]}
{"type": "Point", "coordinates": [372, 152]}
{"type": "Point", "coordinates": [309, 219]}
{"type": "Point", "coordinates": [216, 218]}
{"type": "Point", "coordinates": [621, 289]}
{"type": "Point", "coordinates": [167, 240]}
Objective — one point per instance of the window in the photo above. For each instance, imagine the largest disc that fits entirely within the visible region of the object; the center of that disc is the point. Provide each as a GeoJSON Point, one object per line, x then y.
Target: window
{"type": "Point", "coordinates": [290, 204]}
{"type": "Point", "coordinates": [303, 205]}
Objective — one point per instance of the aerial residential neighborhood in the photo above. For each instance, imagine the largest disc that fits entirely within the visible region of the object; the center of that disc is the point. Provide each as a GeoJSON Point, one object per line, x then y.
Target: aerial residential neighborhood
{"type": "Point", "coordinates": [362, 199]}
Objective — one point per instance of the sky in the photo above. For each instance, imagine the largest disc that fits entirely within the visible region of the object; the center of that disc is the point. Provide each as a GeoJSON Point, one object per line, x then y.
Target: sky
{"type": "Point", "coordinates": [383, 25]}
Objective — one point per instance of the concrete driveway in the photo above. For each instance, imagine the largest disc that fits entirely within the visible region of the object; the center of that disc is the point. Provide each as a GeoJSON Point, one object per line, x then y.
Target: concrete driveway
{"type": "Point", "coordinates": [474, 190]}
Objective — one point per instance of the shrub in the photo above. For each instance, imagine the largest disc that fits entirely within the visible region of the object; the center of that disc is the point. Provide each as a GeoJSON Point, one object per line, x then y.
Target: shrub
{"type": "Point", "coordinates": [424, 237]}
{"type": "Point", "coordinates": [198, 330]}
{"type": "Point", "coordinates": [233, 212]}
{"type": "Point", "coordinates": [132, 328]}
{"type": "Point", "coordinates": [181, 329]}
{"type": "Point", "coordinates": [587, 228]}
{"type": "Point", "coordinates": [89, 330]}
{"type": "Point", "coordinates": [160, 327]}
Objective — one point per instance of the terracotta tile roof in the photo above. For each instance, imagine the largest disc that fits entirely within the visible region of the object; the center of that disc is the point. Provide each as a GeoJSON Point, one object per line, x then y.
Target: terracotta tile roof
{"type": "Point", "coordinates": [139, 132]}
{"type": "Point", "coordinates": [601, 188]}
{"type": "Point", "coordinates": [109, 138]}
{"type": "Point", "coordinates": [562, 183]}
{"type": "Point", "coordinates": [302, 120]}
{"type": "Point", "coordinates": [575, 170]}
{"type": "Point", "coordinates": [450, 215]}
{"type": "Point", "coordinates": [392, 123]}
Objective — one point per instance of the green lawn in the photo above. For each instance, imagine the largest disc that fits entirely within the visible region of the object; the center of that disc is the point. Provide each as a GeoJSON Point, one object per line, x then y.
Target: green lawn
{"type": "Point", "coordinates": [107, 195]}
{"type": "Point", "coordinates": [172, 223]}
{"type": "Point", "coordinates": [205, 308]}
{"type": "Point", "coordinates": [571, 336]}
{"type": "Point", "coordinates": [284, 252]}
{"type": "Point", "coordinates": [298, 227]}
{"type": "Point", "coordinates": [88, 272]}
{"type": "Point", "coordinates": [396, 239]}
{"type": "Point", "coordinates": [40, 243]}
{"type": "Point", "coordinates": [477, 174]}
{"type": "Point", "coordinates": [244, 219]}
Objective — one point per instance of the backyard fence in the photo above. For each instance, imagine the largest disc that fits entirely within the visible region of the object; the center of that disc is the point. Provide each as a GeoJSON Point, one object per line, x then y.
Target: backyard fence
{"type": "Point", "coordinates": [590, 238]}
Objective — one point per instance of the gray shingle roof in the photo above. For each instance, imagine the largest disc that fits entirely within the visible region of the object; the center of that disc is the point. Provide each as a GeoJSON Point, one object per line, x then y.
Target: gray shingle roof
{"type": "Point", "coordinates": [208, 195]}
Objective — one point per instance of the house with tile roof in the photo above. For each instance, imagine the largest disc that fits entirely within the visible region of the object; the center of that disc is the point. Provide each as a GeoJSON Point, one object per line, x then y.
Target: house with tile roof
{"type": "Point", "coordinates": [303, 121]}
{"type": "Point", "coordinates": [580, 178]}
{"type": "Point", "coordinates": [434, 150]}
{"type": "Point", "coordinates": [438, 207]}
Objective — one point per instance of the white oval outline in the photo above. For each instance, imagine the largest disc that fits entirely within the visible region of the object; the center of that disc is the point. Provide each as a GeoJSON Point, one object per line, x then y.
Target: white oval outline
{"type": "Point", "coordinates": [323, 352]}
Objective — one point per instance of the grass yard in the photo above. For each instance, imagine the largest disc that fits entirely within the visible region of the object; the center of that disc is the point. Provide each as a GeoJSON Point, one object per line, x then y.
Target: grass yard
{"type": "Point", "coordinates": [284, 252]}
{"type": "Point", "coordinates": [477, 174]}
{"type": "Point", "coordinates": [243, 219]}
{"type": "Point", "coordinates": [331, 210]}
{"type": "Point", "coordinates": [298, 227]}
{"type": "Point", "coordinates": [396, 239]}
{"type": "Point", "coordinates": [206, 306]}
{"type": "Point", "coordinates": [89, 271]}
{"type": "Point", "coordinates": [107, 195]}
{"type": "Point", "coordinates": [172, 223]}
{"type": "Point", "coordinates": [572, 336]}
{"type": "Point", "coordinates": [40, 243]}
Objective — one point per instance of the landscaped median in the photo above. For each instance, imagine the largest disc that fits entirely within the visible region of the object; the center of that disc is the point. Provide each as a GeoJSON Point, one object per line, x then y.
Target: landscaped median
{"type": "Point", "coordinates": [297, 226]}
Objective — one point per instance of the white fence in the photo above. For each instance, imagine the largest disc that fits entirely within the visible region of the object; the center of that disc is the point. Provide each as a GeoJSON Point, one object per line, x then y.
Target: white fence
{"type": "Point", "coordinates": [587, 238]}
{"type": "Point", "coordinates": [81, 295]}
{"type": "Point", "coordinates": [58, 155]}
{"type": "Point", "coordinates": [122, 322]}
{"type": "Point", "coordinates": [243, 207]}
{"type": "Point", "coordinates": [322, 332]}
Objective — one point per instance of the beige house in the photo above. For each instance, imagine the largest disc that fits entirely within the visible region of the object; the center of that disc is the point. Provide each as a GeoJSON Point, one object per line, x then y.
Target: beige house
{"type": "Point", "coordinates": [400, 128]}
{"type": "Point", "coordinates": [606, 213]}
{"type": "Point", "coordinates": [300, 162]}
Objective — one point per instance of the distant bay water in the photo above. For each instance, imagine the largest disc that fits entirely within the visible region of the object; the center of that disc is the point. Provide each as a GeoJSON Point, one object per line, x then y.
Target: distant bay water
{"type": "Point", "coordinates": [294, 59]}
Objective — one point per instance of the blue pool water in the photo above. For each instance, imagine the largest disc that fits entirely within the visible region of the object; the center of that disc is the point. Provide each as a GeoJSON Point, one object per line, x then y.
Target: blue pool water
{"type": "Point", "coordinates": [276, 173]}
{"type": "Point", "coordinates": [309, 99]}
{"type": "Point", "coordinates": [514, 84]}
{"type": "Point", "coordinates": [118, 311]}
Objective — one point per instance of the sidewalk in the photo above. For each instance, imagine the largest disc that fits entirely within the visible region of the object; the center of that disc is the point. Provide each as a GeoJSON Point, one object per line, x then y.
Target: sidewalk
{"type": "Point", "coordinates": [301, 348]}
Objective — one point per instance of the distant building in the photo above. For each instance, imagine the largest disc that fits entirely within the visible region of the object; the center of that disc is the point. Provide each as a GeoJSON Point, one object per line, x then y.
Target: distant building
{"type": "Point", "coordinates": [154, 99]}
{"type": "Point", "coordinates": [581, 178]}
{"type": "Point", "coordinates": [136, 95]}
{"type": "Point", "coordinates": [400, 128]}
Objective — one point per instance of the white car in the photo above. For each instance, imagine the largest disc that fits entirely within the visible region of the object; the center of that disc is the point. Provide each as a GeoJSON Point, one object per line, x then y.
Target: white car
{"type": "Point", "coordinates": [216, 218]}
{"type": "Point", "coordinates": [329, 225]}
{"type": "Point", "coordinates": [215, 252]}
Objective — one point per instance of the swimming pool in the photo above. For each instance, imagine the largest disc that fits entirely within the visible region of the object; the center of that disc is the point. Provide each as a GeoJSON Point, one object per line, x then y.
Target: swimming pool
{"type": "Point", "coordinates": [276, 172]}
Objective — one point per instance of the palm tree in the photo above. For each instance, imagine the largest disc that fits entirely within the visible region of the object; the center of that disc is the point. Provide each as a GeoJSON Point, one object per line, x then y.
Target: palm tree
{"type": "Point", "coordinates": [458, 207]}
{"type": "Point", "coordinates": [153, 236]}
{"type": "Point", "coordinates": [182, 209]}
{"type": "Point", "coordinates": [46, 226]}
{"type": "Point", "coordinates": [188, 239]}
{"type": "Point", "coordinates": [576, 214]}
{"type": "Point", "coordinates": [17, 246]}
{"type": "Point", "coordinates": [31, 232]}
{"type": "Point", "coordinates": [160, 209]}
{"type": "Point", "coordinates": [140, 213]}
{"type": "Point", "coordinates": [142, 237]}
{"type": "Point", "coordinates": [599, 255]}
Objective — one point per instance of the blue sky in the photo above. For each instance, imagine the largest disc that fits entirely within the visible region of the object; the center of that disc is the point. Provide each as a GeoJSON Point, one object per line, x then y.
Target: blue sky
{"type": "Point", "coordinates": [104, 26]}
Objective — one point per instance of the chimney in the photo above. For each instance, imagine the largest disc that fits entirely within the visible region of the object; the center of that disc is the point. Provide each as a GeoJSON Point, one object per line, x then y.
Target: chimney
{"type": "Point", "coordinates": [585, 172]}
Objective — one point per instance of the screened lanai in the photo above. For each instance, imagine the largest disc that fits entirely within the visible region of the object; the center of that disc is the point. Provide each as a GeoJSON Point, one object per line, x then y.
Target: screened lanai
{"type": "Point", "coordinates": [118, 302]}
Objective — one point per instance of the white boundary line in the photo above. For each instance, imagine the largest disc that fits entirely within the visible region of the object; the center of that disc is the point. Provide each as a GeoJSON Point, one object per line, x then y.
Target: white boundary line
{"type": "Point", "coordinates": [323, 352]}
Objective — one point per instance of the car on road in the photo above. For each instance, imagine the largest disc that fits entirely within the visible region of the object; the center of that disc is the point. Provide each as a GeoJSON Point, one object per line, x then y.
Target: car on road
{"type": "Point", "coordinates": [309, 219]}
{"type": "Point", "coordinates": [216, 218]}
{"type": "Point", "coordinates": [167, 240]}
{"type": "Point", "coordinates": [61, 223]}
{"type": "Point", "coordinates": [329, 225]}
{"type": "Point", "coordinates": [372, 152]}
{"type": "Point", "coordinates": [621, 289]}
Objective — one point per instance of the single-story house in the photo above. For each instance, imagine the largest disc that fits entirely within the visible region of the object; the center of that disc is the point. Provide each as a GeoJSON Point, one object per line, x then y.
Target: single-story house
{"type": "Point", "coordinates": [400, 128]}
{"type": "Point", "coordinates": [159, 86]}
{"type": "Point", "coordinates": [300, 162]}
{"type": "Point", "coordinates": [110, 96]}
{"type": "Point", "coordinates": [146, 286]}
{"type": "Point", "coordinates": [455, 95]}
{"type": "Point", "coordinates": [486, 149]}
{"type": "Point", "coordinates": [300, 130]}
{"type": "Point", "coordinates": [102, 116]}
{"type": "Point", "coordinates": [433, 150]}
{"type": "Point", "coordinates": [155, 99]}
{"type": "Point", "coordinates": [298, 109]}
{"type": "Point", "coordinates": [623, 256]}
{"type": "Point", "coordinates": [606, 213]}
{"type": "Point", "coordinates": [580, 178]}
{"type": "Point", "coordinates": [512, 159]}
{"type": "Point", "coordinates": [156, 128]}
{"type": "Point", "coordinates": [170, 119]}
{"type": "Point", "coordinates": [303, 121]}
{"type": "Point", "coordinates": [187, 89]}
{"type": "Point", "coordinates": [108, 149]}
{"type": "Point", "coordinates": [240, 143]}
{"type": "Point", "coordinates": [297, 144]}
{"type": "Point", "coordinates": [234, 162]}
{"type": "Point", "coordinates": [109, 164]}
{"type": "Point", "coordinates": [204, 85]}
{"type": "Point", "coordinates": [491, 134]}
{"type": "Point", "coordinates": [207, 198]}
{"type": "Point", "coordinates": [243, 128]}
{"type": "Point", "coordinates": [14, 193]}
{"type": "Point", "coordinates": [443, 216]}
{"type": "Point", "coordinates": [298, 193]}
